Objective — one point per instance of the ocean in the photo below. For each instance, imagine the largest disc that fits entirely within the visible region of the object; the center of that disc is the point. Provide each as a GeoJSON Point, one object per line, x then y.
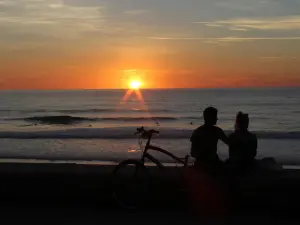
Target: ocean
{"type": "Point", "coordinates": [99, 124]}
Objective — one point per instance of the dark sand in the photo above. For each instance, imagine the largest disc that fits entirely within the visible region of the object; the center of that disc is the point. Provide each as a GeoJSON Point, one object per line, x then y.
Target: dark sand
{"type": "Point", "coordinates": [81, 194]}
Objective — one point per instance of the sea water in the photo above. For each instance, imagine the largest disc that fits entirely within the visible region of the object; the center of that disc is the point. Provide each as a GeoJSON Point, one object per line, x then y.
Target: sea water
{"type": "Point", "coordinates": [99, 124]}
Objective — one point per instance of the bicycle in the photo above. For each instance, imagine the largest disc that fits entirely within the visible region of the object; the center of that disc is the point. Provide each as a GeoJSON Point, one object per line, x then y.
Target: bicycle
{"type": "Point", "coordinates": [132, 193]}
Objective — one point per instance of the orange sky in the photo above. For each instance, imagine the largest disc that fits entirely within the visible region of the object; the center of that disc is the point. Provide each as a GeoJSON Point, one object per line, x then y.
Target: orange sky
{"type": "Point", "coordinates": [80, 44]}
{"type": "Point", "coordinates": [207, 73]}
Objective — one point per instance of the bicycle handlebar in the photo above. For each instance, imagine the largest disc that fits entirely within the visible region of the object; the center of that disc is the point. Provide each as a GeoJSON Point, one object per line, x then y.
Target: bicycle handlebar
{"type": "Point", "coordinates": [141, 130]}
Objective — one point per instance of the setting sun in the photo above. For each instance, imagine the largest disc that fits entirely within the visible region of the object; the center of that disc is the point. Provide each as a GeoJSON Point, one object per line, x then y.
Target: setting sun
{"type": "Point", "coordinates": [134, 84]}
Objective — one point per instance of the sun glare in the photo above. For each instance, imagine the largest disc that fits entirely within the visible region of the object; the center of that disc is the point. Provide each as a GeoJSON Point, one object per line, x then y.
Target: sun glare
{"type": "Point", "coordinates": [135, 84]}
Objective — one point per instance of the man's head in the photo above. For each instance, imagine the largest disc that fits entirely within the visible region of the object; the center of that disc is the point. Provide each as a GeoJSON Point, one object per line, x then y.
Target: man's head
{"type": "Point", "coordinates": [210, 115]}
{"type": "Point", "coordinates": [242, 121]}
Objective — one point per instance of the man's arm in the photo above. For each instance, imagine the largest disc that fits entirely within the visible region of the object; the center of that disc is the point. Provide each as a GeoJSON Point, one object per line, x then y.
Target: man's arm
{"type": "Point", "coordinates": [231, 145]}
{"type": "Point", "coordinates": [223, 137]}
{"type": "Point", "coordinates": [193, 150]}
{"type": "Point", "coordinates": [254, 150]}
{"type": "Point", "coordinates": [193, 146]}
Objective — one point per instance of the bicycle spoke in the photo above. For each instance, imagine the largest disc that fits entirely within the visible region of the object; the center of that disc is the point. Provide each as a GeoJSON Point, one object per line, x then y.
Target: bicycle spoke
{"type": "Point", "coordinates": [131, 184]}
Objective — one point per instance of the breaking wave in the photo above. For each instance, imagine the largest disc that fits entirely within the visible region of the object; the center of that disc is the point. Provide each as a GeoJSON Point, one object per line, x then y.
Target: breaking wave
{"type": "Point", "coordinates": [69, 120]}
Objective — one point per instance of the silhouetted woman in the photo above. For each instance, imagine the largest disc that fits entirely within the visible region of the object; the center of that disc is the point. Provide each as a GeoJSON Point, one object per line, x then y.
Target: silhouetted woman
{"type": "Point", "coordinates": [242, 144]}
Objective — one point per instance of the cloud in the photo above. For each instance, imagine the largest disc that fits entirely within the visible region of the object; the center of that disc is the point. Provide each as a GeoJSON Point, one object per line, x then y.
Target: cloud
{"type": "Point", "coordinates": [277, 58]}
{"type": "Point", "coordinates": [242, 5]}
{"type": "Point", "coordinates": [135, 12]}
{"type": "Point", "coordinates": [52, 18]}
{"type": "Point", "coordinates": [225, 39]}
{"type": "Point", "coordinates": [237, 29]}
{"type": "Point", "coordinates": [26, 23]}
{"type": "Point", "coordinates": [275, 23]}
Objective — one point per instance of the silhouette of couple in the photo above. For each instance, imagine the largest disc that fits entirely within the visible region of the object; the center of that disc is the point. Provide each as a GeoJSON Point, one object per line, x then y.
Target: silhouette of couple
{"type": "Point", "coordinates": [242, 143]}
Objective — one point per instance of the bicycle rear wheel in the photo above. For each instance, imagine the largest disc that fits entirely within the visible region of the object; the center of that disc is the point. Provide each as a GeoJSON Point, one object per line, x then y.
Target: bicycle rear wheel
{"type": "Point", "coordinates": [131, 184]}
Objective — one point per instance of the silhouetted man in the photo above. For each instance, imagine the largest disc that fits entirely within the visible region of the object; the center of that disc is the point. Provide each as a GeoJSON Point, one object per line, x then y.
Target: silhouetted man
{"type": "Point", "coordinates": [205, 140]}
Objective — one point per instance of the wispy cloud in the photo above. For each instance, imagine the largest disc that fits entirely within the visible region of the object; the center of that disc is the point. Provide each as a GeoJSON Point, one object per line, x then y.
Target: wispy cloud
{"type": "Point", "coordinates": [275, 23]}
{"type": "Point", "coordinates": [225, 39]}
{"type": "Point", "coordinates": [135, 12]}
{"type": "Point", "coordinates": [50, 17]}
{"type": "Point", "coordinates": [276, 58]}
{"type": "Point", "coordinates": [242, 5]}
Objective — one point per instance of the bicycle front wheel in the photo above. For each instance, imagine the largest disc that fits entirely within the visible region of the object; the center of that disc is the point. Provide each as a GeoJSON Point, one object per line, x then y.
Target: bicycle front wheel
{"type": "Point", "coordinates": [131, 184]}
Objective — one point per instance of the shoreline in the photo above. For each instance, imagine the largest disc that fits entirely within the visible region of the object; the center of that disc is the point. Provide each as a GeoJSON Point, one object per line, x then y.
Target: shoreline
{"type": "Point", "coordinates": [99, 163]}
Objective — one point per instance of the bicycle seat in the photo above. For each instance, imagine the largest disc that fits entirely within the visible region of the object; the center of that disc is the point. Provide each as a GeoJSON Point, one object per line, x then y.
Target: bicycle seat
{"type": "Point", "coordinates": [141, 130]}
{"type": "Point", "coordinates": [153, 131]}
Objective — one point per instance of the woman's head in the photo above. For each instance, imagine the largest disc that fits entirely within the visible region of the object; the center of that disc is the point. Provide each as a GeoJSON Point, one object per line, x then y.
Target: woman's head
{"type": "Point", "coordinates": [242, 121]}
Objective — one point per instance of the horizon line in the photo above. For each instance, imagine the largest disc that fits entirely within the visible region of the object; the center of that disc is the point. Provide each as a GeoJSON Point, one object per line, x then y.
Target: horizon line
{"type": "Point", "coordinates": [176, 88]}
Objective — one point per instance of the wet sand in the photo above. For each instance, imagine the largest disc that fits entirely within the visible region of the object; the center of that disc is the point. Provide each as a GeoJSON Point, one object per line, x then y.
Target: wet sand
{"type": "Point", "coordinates": [51, 190]}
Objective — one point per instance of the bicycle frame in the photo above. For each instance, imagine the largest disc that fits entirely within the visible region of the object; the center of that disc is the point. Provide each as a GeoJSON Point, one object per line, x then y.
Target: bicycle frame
{"type": "Point", "coordinates": [156, 161]}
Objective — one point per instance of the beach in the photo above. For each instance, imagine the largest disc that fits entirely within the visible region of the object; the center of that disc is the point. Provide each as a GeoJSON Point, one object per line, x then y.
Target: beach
{"type": "Point", "coordinates": [98, 125]}
{"type": "Point", "coordinates": [78, 191]}
{"type": "Point", "coordinates": [88, 86]}
{"type": "Point", "coordinates": [285, 151]}
{"type": "Point", "coordinates": [59, 148]}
